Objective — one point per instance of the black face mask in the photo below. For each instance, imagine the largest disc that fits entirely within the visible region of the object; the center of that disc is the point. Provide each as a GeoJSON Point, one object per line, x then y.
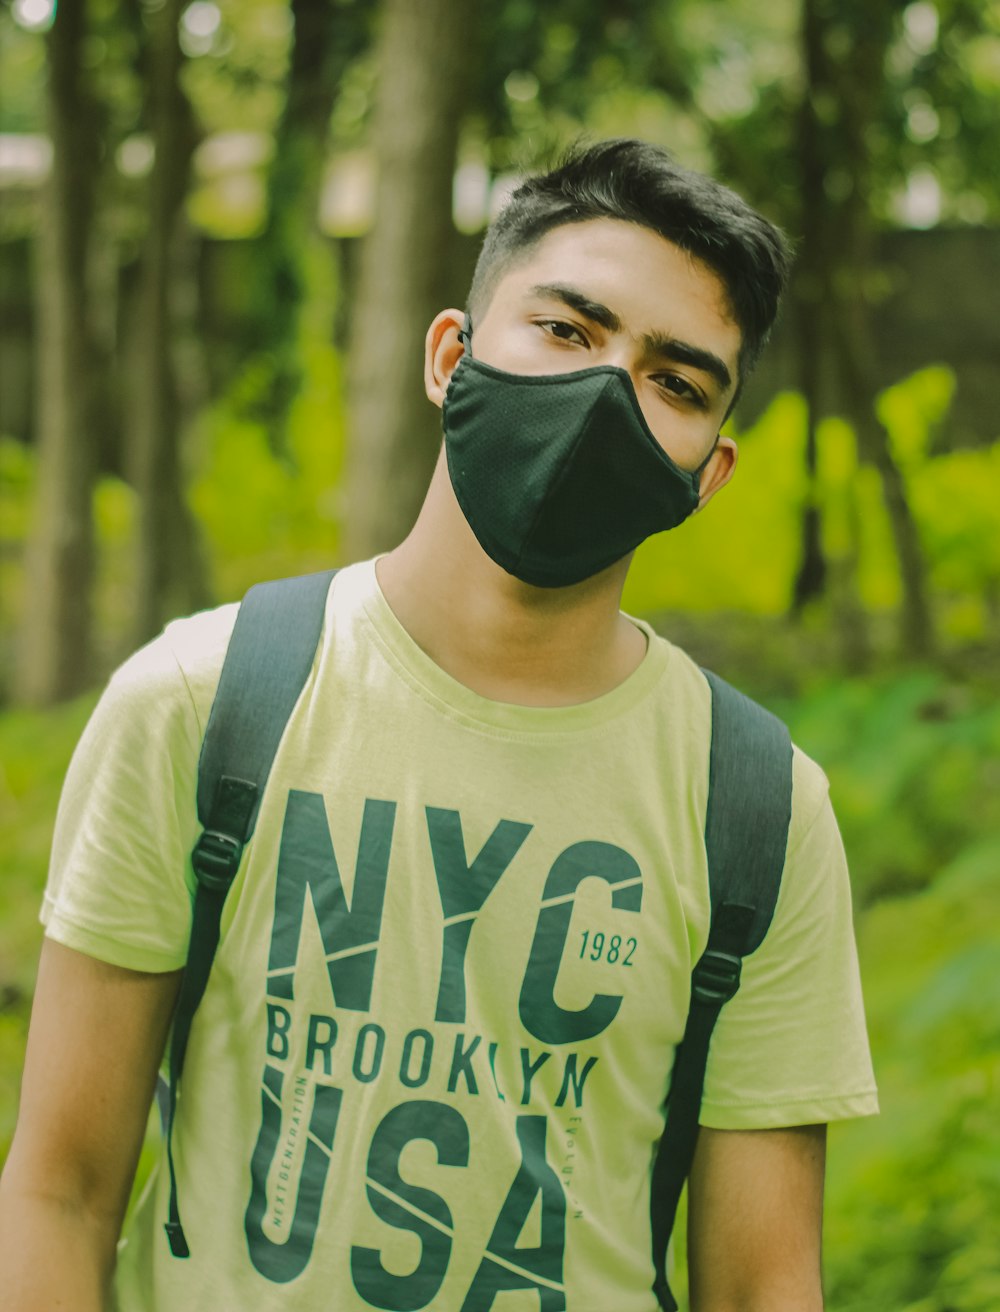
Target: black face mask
{"type": "Point", "coordinates": [558, 475]}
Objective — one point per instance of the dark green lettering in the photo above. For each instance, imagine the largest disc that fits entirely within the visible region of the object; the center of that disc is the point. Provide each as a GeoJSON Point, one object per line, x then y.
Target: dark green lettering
{"type": "Point", "coordinates": [281, 1262]}
{"type": "Point", "coordinates": [463, 888]}
{"type": "Point", "coordinates": [492, 1051]}
{"type": "Point", "coordinates": [427, 1050]}
{"type": "Point", "coordinates": [360, 1073]}
{"type": "Point", "coordinates": [461, 1063]}
{"type": "Point", "coordinates": [570, 1078]}
{"type": "Point", "coordinates": [540, 1014]}
{"type": "Point", "coordinates": [538, 1268]}
{"type": "Point", "coordinates": [279, 1022]}
{"type": "Point", "coordinates": [307, 863]}
{"type": "Point", "coordinates": [528, 1071]}
{"type": "Point", "coordinates": [321, 1045]}
{"type": "Point", "coordinates": [424, 1211]}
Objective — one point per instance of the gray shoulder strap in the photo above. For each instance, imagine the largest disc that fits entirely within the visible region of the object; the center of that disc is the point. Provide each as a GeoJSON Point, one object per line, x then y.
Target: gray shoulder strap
{"type": "Point", "coordinates": [746, 834]}
{"type": "Point", "coordinates": [749, 805]}
{"type": "Point", "coordinates": [267, 663]}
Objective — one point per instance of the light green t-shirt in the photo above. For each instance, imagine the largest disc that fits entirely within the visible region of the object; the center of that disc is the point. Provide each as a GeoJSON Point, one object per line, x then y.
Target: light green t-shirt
{"type": "Point", "coordinates": [430, 1064]}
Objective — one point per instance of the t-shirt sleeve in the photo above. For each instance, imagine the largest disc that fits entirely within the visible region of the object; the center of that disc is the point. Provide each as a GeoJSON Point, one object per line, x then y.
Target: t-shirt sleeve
{"type": "Point", "coordinates": [791, 1047]}
{"type": "Point", "coordinates": [120, 882]}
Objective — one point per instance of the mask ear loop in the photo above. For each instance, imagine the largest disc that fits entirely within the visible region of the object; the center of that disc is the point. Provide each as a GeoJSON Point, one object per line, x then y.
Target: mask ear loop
{"type": "Point", "coordinates": [697, 473]}
{"type": "Point", "coordinates": [704, 464]}
{"type": "Point", "coordinates": [465, 334]}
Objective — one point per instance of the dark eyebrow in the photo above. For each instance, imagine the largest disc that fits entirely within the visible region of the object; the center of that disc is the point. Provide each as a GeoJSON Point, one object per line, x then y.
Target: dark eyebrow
{"type": "Point", "coordinates": [659, 344]}
{"type": "Point", "coordinates": [593, 310]}
{"type": "Point", "coordinates": [672, 348]}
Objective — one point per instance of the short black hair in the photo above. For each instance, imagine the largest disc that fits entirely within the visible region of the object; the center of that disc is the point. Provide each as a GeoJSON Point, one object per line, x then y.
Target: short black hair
{"type": "Point", "coordinates": [639, 182]}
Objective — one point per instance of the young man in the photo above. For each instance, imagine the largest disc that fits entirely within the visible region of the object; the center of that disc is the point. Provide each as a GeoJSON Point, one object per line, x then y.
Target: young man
{"type": "Point", "coordinates": [430, 1064]}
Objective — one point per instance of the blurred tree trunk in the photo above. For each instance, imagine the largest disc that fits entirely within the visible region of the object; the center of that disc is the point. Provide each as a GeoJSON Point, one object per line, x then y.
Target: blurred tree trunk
{"type": "Point", "coordinates": [811, 578]}
{"type": "Point", "coordinates": [860, 82]}
{"type": "Point", "coordinates": [55, 650]}
{"type": "Point", "coordinates": [855, 347]}
{"type": "Point", "coordinates": [423, 56]}
{"type": "Point", "coordinates": [327, 38]}
{"type": "Point", "coordinates": [169, 571]}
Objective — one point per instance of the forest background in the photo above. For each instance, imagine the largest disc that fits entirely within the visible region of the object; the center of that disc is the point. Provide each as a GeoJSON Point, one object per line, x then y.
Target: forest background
{"type": "Point", "coordinates": [224, 227]}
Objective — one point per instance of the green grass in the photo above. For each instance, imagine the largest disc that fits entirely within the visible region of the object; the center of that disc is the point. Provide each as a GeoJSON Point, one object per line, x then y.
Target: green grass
{"type": "Point", "coordinates": [913, 1196]}
{"type": "Point", "coordinates": [35, 749]}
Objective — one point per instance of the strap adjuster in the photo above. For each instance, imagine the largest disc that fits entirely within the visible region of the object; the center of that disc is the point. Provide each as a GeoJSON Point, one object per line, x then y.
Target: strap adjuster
{"type": "Point", "coordinates": [175, 1237]}
{"type": "Point", "coordinates": [216, 859]}
{"type": "Point", "coordinates": [716, 977]}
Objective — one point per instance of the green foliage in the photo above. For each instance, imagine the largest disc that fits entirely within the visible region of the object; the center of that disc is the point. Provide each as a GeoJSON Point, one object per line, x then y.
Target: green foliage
{"type": "Point", "coordinates": [235, 79]}
{"type": "Point", "coordinates": [913, 1197]}
{"type": "Point", "coordinates": [722, 86]}
{"type": "Point", "coordinates": [35, 748]}
{"type": "Point", "coordinates": [727, 557]}
{"type": "Point", "coordinates": [115, 512]}
{"type": "Point", "coordinates": [17, 482]}
{"type": "Point", "coordinates": [913, 410]}
{"type": "Point", "coordinates": [955, 501]}
{"type": "Point", "coordinates": [741, 553]}
{"type": "Point", "coordinates": [953, 497]}
{"type": "Point", "coordinates": [857, 536]}
{"type": "Point", "coordinates": [266, 515]}
{"type": "Point", "coordinates": [912, 763]}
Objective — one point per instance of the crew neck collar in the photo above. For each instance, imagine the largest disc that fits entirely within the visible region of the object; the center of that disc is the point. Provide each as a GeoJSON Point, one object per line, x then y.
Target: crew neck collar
{"type": "Point", "coordinates": [435, 685]}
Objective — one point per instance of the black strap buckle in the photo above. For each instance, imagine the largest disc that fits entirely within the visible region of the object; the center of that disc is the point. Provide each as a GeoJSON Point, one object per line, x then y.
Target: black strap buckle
{"type": "Point", "coordinates": [175, 1237]}
{"type": "Point", "coordinates": [664, 1296]}
{"type": "Point", "coordinates": [216, 859]}
{"type": "Point", "coordinates": [716, 977]}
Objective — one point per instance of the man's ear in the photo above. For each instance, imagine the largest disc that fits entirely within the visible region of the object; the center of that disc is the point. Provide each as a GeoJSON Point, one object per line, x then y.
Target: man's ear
{"type": "Point", "coordinates": [719, 470]}
{"type": "Point", "coordinates": [442, 352]}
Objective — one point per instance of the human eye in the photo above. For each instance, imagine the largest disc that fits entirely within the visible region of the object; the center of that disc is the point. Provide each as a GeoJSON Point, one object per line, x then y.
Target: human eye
{"type": "Point", "coordinates": [563, 331]}
{"type": "Point", "coordinates": [678, 388]}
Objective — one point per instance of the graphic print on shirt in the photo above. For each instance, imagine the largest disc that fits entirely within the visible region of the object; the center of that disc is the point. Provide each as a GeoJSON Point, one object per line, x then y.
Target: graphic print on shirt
{"type": "Point", "coordinates": [316, 1063]}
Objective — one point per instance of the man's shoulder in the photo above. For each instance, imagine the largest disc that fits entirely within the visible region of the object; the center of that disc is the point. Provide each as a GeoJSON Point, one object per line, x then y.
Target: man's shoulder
{"type": "Point", "coordinates": [197, 643]}
{"type": "Point", "coordinates": [182, 663]}
{"type": "Point", "coordinates": [688, 685]}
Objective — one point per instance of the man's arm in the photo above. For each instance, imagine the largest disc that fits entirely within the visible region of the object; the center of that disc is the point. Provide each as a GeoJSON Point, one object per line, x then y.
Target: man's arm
{"type": "Point", "coordinates": [755, 1220]}
{"type": "Point", "coordinates": [96, 1038]}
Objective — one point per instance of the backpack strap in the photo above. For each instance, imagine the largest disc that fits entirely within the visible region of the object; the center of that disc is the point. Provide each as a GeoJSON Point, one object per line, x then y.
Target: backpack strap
{"type": "Point", "coordinates": [267, 663]}
{"type": "Point", "coordinates": [746, 834]}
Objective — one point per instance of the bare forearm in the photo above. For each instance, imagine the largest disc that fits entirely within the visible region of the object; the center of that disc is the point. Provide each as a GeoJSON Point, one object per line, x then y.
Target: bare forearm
{"type": "Point", "coordinates": [755, 1220]}
{"type": "Point", "coordinates": [791, 1285]}
{"type": "Point", "coordinates": [55, 1257]}
{"type": "Point", "coordinates": [760, 1303]}
{"type": "Point", "coordinates": [65, 1188]}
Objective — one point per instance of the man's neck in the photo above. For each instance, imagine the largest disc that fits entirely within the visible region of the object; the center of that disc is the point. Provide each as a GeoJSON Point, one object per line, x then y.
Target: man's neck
{"type": "Point", "coordinates": [502, 638]}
